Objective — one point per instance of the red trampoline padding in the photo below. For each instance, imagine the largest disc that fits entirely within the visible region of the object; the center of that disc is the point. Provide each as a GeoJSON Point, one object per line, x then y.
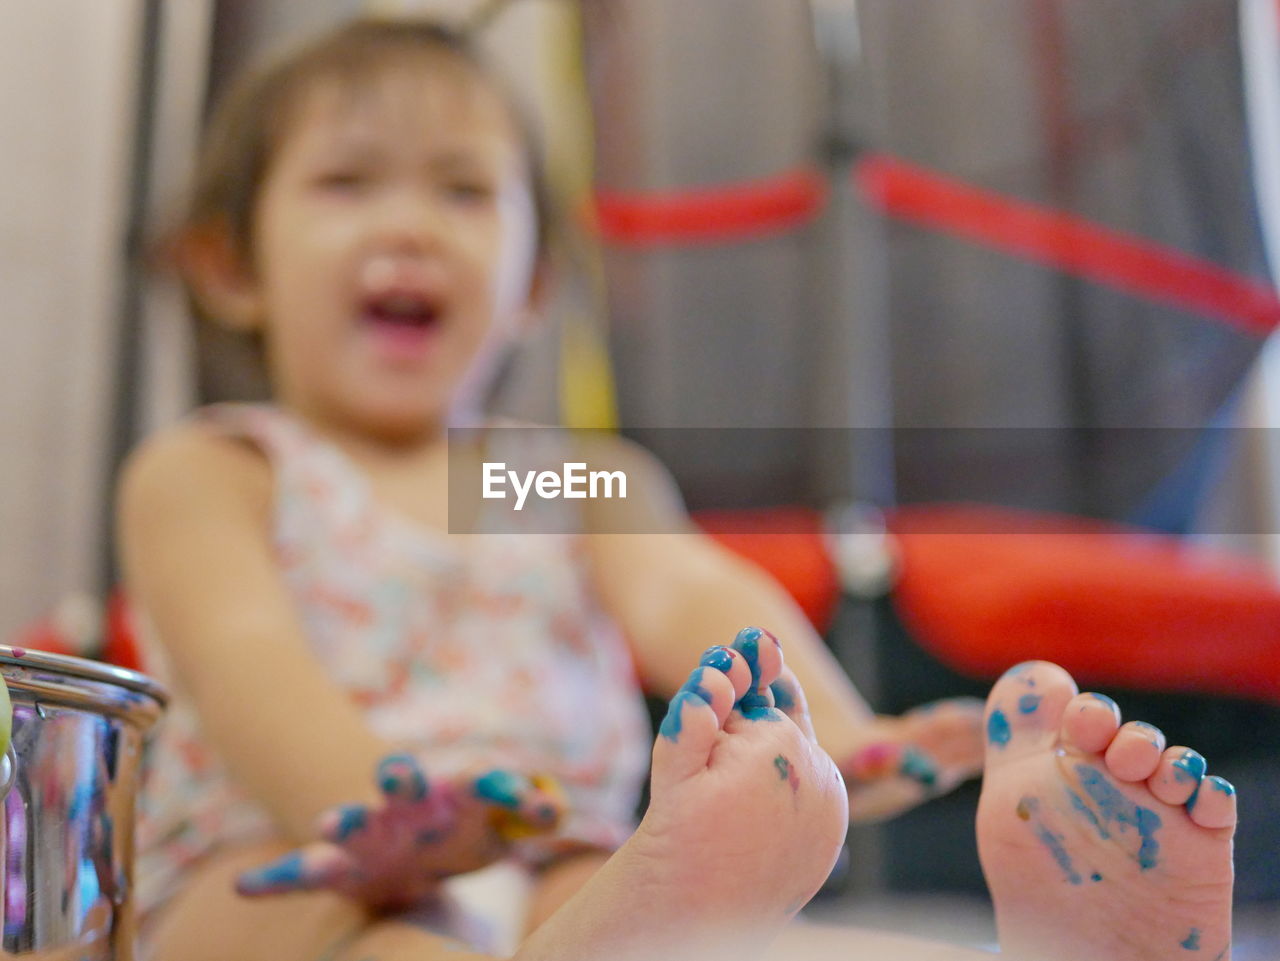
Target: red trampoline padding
{"type": "Point", "coordinates": [983, 589]}
{"type": "Point", "coordinates": [788, 542]}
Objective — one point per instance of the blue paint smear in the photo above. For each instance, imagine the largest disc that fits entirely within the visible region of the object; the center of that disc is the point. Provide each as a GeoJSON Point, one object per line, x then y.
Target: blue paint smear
{"type": "Point", "coordinates": [747, 643]}
{"type": "Point", "coordinates": [998, 730]}
{"type": "Point", "coordinates": [1095, 877]}
{"type": "Point", "coordinates": [755, 707]}
{"type": "Point", "coordinates": [287, 872]}
{"type": "Point", "coordinates": [501, 788]}
{"type": "Point", "coordinates": [919, 767]}
{"type": "Point", "coordinates": [1077, 802]}
{"type": "Point", "coordinates": [353, 818]}
{"type": "Point", "coordinates": [670, 727]}
{"type": "Point", "coordinates": [1195, 796]}
{"type": "Point", "coordinates": [694, 685]}
{"type": "Point", "coordinates": [1029, 703]}
{"type": "Point", "coordinates": [1190, 767]}
{"type": "Point", "coordinates": [80, 801]}
{"type": "Point", "coordinates": [389, 776]}
{"type": "Point", "coordinates": [718, 658]}
{"type": "Point", "coordinates": [1054, 843]}
{"type": "Point", "coordinates": [1218, 784]}
{"type": "Point", "coordinates": [1114, 806]}
{"type": "Point", "coordinates": [782, 695]}
{"type": "Point", "coordinates": [1105, 700]}
{"type": "Point", "coordinates": [1192, 943]}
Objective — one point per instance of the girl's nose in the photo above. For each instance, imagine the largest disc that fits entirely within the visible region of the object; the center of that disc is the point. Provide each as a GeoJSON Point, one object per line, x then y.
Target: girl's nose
{"type": "Point", "coordinates": [395, 267]}
{"type": "Point", "coordinates": [411, 219]}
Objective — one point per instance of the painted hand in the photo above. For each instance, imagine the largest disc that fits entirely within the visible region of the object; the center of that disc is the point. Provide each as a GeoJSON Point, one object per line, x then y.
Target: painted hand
{"type": "Point", "coordinates": [906, 760]}
{"type": "Point", "coordinates": [395, 852]}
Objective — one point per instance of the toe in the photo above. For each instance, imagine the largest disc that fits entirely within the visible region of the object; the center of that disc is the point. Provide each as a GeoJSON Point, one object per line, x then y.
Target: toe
{"type": "Point", "coordinates": [401, 778]}
{"type": "Point", "coordinates": [788, 697]}
{"type": "Point", "coordinates": [1134, 752]}
{"type": "Point", "coordinates": [714, 687]}
{"type": "Point", "coordinates": [763, 655]}
{"type": "Point", "coordinates": [689, 730]}
{"type": "Point", "coordinates": [1090, 722]}
{"type": "Point", "coordinates": [1025, 709]}
{"type": "Point", "coordinates": [1214, 805]}
{"type": "Point", "coordinates": [730, 663]}
{"type": "Point", "coordinates": [1178, 775]}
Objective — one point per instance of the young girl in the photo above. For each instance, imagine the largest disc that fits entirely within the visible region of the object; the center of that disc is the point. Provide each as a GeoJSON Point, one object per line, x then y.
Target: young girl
{"type": "Point", "coordinates": [369, 210]}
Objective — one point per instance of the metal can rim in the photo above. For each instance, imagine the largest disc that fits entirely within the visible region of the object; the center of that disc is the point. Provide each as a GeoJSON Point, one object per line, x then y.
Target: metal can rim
{"type": "Point", "coordinates": [80, 667]}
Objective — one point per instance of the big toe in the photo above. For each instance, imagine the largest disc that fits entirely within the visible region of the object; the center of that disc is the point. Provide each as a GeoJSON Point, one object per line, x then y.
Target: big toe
{"type": "Point", "coordinates": [1025, 710]}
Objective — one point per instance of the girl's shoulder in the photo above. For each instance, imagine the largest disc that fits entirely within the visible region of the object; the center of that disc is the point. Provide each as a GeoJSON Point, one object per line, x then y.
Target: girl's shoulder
{"type": "Point", "coordinates": [193, 465]}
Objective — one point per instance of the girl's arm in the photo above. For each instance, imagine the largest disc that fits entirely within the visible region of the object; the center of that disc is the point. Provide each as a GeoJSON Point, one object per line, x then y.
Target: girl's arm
{"type": "Point", "coordinates": [194, 522]}
{"type": "Point", "coordinates": [677, 592]}
{"type": "Point", "coordinates": [194, 535]}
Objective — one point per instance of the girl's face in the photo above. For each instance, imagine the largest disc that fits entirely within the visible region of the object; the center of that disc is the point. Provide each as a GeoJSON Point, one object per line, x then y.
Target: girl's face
{"type": "Point", "coordinates": [394, 249]}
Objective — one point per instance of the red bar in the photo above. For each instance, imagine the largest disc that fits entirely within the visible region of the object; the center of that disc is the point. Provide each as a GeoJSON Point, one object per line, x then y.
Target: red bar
{"type": "Point", "coordinates": [736, 212]}
{"type": "Point", "coordinates": [1068, 243]}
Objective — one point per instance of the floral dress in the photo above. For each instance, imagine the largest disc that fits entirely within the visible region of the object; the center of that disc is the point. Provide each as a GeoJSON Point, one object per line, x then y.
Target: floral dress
{"type": "Point", "coordinates": [496, 655]}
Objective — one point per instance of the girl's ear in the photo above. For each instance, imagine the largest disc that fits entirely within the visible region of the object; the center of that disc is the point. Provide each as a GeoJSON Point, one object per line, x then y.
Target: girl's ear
{"type": "Point", "coordinates": [222, 283]}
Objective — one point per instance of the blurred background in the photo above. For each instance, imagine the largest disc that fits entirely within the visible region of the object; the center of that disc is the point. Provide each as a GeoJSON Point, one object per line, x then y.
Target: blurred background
{"type": "Point", "coordinates": [901, 253]}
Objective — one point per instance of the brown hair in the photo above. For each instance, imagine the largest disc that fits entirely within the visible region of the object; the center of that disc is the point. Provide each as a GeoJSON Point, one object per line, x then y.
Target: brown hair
{"type": "Point", "coordinates": [251, 119]}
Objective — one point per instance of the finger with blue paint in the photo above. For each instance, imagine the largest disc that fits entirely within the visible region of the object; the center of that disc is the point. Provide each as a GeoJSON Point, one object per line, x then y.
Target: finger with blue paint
{"type": "Point", "coordinates": [402, 780]}
{"type": "Point", "coordinates": [522, 807]}
{"type": "Point", "coordinates": [344, 823]}
{"type": "Point", "coordinates": [311, 869]}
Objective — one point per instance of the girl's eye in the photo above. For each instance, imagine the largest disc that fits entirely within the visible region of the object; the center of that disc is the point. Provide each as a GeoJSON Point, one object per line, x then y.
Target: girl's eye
{"type": "Point", "coordinates": [342, 180]}
{"type": "Point", "coordinates": [469, 191]}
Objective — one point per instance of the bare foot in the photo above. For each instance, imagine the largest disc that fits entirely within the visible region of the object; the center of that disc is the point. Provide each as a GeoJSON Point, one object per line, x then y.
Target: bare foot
{"type": "Point", "coordinates": [746, 819]}
{"type": "Point", "coordinates": [1096, 840]}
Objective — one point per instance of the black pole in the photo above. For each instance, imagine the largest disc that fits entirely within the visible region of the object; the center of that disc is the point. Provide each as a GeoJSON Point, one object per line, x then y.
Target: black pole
{"type": "Point", "coordinates": [124, 398]}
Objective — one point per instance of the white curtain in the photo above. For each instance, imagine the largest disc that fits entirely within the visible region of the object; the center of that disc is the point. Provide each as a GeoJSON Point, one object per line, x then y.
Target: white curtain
{"type": "Point", "coordinates": [67, 71]}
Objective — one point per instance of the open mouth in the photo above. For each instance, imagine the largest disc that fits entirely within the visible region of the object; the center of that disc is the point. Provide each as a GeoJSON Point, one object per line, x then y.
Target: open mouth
{"type": "Point", "coordinates": [402, 313]}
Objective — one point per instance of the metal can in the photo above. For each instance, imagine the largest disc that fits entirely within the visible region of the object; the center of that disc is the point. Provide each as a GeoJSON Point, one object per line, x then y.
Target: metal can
{"type": "Point", "coordinates": [70, 781]}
